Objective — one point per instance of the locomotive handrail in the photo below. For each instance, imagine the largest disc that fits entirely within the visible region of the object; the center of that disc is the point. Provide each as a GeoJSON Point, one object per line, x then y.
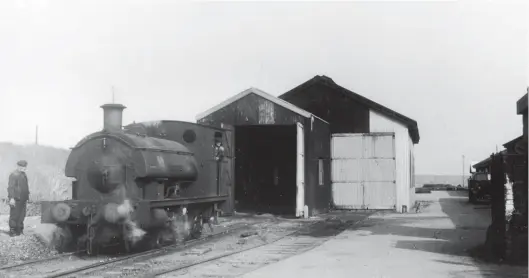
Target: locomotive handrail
{"type": "Point", "coordinates": [163, 150]}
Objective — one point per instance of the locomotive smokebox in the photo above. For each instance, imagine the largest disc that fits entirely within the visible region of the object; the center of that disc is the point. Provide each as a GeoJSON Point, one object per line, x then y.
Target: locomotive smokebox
{"type": "Point", "coordinates": [112, 117]}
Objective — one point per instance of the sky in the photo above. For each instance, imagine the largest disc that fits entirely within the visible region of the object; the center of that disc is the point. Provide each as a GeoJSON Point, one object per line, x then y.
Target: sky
{"type": "Point", "coordinates": [456, 67]}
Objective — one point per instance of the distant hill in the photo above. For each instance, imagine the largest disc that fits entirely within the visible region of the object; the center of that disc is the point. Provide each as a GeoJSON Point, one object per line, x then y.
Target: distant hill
{"type": "Point", "coordinates": [443, 179]}
{"type": "Point", "coordinates": [45, 170]}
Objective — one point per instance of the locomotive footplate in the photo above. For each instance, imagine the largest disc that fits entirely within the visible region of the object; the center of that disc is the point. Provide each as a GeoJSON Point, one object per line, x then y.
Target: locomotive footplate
{"type": "Point", "coordinates": [188, 200]}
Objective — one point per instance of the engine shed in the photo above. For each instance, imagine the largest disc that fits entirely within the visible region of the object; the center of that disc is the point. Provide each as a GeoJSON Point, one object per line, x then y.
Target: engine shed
{"type": "Point", "coordinates": [372, 146]}
{"type": "Point", "coordinates": [282, 154]}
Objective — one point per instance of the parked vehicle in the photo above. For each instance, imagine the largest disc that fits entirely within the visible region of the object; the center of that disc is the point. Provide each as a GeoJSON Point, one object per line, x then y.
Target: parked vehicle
{"type": "Point", "coordinates": [420, 190]}
{"type": "Point", "coordinates": [438, 186]}
{"type": "Point", "coordinates": [478, 187]}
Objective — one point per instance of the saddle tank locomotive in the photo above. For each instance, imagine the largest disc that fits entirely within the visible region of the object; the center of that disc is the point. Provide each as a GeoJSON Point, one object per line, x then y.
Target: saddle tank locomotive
{"type": "Point", "coordinates": [152, 182]}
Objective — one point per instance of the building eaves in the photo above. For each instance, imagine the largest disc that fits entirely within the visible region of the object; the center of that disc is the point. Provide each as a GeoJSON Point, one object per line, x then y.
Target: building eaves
{"type": "Point", "coordinates": [482, 164]}
{"type": "Point", "coordinates": [513, 141]}
{"type": "Point", "coordinates": [275, 100]}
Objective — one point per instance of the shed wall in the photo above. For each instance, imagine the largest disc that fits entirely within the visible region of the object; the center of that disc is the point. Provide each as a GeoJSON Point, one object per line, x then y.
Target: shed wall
{"type": "Point", "coordinates": [403, 157]}
{"type": "Point", "coordinates": [252, 110]}
{"type": "Point", "coordinates": [318, 146]}
{"type": "Point", "coordinates": [411, 194]}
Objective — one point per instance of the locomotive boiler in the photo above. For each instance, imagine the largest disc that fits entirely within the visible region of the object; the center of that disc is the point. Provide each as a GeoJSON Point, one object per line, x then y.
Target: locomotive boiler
{"type": "Point", "coordinates": [151, 182]}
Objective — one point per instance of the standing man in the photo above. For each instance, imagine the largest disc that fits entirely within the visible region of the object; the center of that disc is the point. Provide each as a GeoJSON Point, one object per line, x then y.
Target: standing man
{"type": "Point", "coordinates": [18, 195]}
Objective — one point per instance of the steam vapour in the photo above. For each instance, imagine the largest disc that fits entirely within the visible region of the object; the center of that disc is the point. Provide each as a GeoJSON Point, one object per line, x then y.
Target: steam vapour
{"type": "Point", "coordinates": [132, 232]}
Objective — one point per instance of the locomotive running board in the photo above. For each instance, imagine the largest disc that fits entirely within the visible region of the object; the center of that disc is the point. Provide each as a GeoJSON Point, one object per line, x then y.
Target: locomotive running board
{"type": "Point", "coordinates": [188, 201]}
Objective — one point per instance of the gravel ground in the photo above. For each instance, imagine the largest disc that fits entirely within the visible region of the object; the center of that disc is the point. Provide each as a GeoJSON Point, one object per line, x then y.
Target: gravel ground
{"type": "Point", "coordinates": [22, 248]}
{"type": "Point", "coordinates": [32, 246]}
{"type": "Point", "coordinates": [260, 232]}
{"type": "Point", "coordinates": [29, 246]}
{"type": "Point", "coordinates": [32, 209]}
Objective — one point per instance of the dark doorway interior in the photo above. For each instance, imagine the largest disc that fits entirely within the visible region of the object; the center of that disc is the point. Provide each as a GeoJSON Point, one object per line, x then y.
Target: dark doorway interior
{"type": "Point", "coordinates": [265, 163]}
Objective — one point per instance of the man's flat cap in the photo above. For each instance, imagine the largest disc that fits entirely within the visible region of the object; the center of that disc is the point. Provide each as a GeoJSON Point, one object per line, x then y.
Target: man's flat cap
{"type": "Point", "coordinates": [22, 163]}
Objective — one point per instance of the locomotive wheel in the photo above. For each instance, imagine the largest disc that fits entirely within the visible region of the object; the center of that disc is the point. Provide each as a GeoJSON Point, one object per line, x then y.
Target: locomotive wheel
{"type": "Point", "coordinates": [155, 239]}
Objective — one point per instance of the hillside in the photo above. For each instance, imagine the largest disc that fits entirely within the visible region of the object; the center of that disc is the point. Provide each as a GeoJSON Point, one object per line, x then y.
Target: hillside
{"type": "Point", "coordinates": [45, 170]}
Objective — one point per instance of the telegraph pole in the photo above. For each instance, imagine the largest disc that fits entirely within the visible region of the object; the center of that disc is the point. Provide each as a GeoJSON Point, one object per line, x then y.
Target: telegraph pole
{"type": "Point", "coordinates": [463, 176]}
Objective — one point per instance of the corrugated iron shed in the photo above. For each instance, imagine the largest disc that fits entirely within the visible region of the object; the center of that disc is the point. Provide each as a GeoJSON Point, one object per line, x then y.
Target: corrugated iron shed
{"type": "Point", "coordinates": [253, 108]}
{"type": "Point", "coordinates": [353, 114]}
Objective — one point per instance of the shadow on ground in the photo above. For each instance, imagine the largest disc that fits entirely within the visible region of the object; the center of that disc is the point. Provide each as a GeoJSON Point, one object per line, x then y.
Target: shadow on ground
{"type": "Point", "coordinates": [325, 225]}
{"type": "Point", "coordinates": [334, 223]}
{"type": "Point", "coordinates": [466, 239]}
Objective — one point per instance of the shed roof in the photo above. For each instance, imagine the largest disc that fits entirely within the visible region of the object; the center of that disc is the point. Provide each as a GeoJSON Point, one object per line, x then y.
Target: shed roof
{"type": "Point", "coordinates": [513, 141]}
{"type": "Point", "coordinates": [521, 104]}
{"type": "Point", "coordinates": [262, 94]}
{"type": "Point", "coordinates": [482, 164]}
{"type": "Point", "coordinates": [326, 81]}
{"type": "Point", "coordinates": [486, 162]}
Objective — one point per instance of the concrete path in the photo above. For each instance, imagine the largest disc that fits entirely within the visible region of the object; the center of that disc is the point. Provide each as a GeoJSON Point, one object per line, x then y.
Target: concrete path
{"type": "Point", "coordinates": [433, 243]}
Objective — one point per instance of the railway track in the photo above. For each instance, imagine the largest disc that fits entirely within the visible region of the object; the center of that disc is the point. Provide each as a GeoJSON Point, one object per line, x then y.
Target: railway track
{"type": "Point", "coordinates": [125, 267]}
{"type": "Point", "coordinates": [217, 255]}
{"type": "Point", "coordinates": [38, 261]}
{"type": "Point", "coordinates": [221, 259]}
{"type": "Point", "coordinates": [54, 266]}
{"type": "Point", "coordinates": [236, 263]}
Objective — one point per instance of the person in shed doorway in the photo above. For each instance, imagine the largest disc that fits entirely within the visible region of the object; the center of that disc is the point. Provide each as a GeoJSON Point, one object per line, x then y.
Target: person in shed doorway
{"type": "Point", "coordinates": [18, 196]}
{"type": "Point", "coordinates": [219, 149]}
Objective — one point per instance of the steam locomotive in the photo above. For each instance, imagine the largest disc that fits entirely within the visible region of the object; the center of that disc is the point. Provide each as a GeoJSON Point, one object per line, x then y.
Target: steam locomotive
{"type": "Point", "coordinates": [151, 182]}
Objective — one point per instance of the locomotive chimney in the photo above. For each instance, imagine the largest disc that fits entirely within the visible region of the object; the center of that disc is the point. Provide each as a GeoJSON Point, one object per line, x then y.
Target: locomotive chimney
{"type": "Point", "coordinates": [113, 115]}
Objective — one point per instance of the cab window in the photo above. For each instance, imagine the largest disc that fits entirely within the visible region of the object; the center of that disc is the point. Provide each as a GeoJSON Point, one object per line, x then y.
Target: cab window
{"type": "Point", "coordinates": [481, 177]}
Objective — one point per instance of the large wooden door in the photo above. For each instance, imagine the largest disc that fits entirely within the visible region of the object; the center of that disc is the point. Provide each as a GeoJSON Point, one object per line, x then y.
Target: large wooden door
{"type": "Point", "coordinates": [363, 171]}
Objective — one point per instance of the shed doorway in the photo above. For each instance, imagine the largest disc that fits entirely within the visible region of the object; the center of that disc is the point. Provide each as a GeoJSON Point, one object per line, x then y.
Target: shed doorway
{"type": "Point", "coordinates": [266, 172]}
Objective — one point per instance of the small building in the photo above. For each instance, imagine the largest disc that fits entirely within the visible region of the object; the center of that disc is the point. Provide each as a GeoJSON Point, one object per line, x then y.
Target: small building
{"type": "Point", "coordinates": [507, 233]}
{"type": "Point", "coordinates": [281, 154]}
{"type": "Point", "coordinates": [372, 147]}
